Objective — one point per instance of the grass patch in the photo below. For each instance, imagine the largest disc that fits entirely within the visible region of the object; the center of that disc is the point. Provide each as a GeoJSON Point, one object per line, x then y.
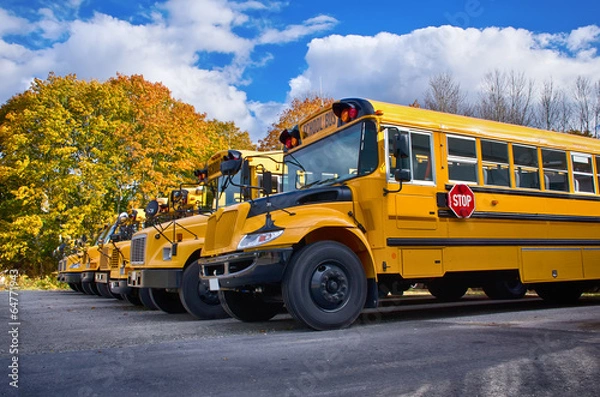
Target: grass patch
{"type": "Point", "coordinates": [37, 283]}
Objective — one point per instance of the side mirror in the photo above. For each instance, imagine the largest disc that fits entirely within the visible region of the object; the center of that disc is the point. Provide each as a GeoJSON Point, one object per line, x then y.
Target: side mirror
{"type": "Point", "coordinates": [267, 182]}
{"type": "Point", "coordinates": [400, 147]}
{"type": "Point", "coordinates": [402, 175]}
{"type": "Point", "coordinates": [151, 209]}
{"type": "Point", "coordinates": [232, 163]}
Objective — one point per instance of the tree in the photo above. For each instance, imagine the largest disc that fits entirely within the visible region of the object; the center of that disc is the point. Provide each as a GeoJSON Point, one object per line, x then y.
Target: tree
{"type": "Point", "coordinates": [582, 102]}
{"type": "Point", "coordinates": [74, 153]}
{"type": "Point", "coordinates": [506, 98]}
{"type": "Point", "coordinates": [445, 95]}
{"type": "Point", "coordinates": [298, 109]}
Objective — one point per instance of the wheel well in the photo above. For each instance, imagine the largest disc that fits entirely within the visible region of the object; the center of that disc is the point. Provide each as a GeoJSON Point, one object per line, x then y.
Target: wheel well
{"type": "Point", "coordinates": [349, 239]}
{"type": "Point", "coordinates": [192, 258]}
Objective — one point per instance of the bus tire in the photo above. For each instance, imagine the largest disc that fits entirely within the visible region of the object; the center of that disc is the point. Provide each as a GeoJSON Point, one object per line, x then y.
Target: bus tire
{"type": "Point", "coordinates": [197, 299]}
{"type": "Point", "coordinates": [90, 288]}
{"type": "Point", "coordinates": [146, 299]}
{"type": "Point", "coordinates": [325, 286]}
{"type": "Point", "coordinates": [505, 289]}
{"type": "Point", "coordinates": [132, 297]}
{"type": "Point", "coordinates": [114, 294]}
{"type": "Point", "coordinates": [168, 302]}
{"type": "Point", "coordinates": [103, 289]}
{"type": "Point", "coordinates": [248, 307]}
{"type": "Point", "coordinates": [559, 292]}
{"type": "Point", "coordinates": [447, 291]}
{"type": "Point", "coordinates": [73, 287]}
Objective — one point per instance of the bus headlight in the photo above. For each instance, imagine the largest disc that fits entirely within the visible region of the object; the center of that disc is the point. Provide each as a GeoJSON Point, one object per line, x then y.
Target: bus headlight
{"type": "Point", "coordinates": [253, 240]}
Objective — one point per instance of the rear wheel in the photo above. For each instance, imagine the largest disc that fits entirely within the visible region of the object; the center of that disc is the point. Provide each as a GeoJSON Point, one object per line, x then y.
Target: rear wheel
{"type": "Point", "coordinates": [505, 289]}
{"type": "Point", "coordinates": [146, 299]}
{"type": "Point", "coordinates": [446, 290]}
{"type": "Point", "coordinates": [324, 286]}
{"type": "Point", "coordinates": [168, 302]}
{"type": "Point", "coordinates": [197, 299]}
{"type": "Point", "coordinates": [103, 289]}
{"type": "Point", "coordinates": [561, 292]}
{"type": "Point", "coordinates": [248, 307]}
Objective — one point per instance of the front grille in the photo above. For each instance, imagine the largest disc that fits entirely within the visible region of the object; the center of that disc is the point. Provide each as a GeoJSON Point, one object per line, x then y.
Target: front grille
{"type": "Point", "coordinates": [138, 249]}
{"type": "Point", "coordinates": [218, 233]}
{"type": "Point", "coordinates": [104, 259]}
{"type": "Point", "coordinates": [114, 259]}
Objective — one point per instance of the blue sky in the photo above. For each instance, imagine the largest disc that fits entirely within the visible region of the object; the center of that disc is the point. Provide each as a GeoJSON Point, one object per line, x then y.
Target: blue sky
{"type": "Point", "coordinates": [244, 60]}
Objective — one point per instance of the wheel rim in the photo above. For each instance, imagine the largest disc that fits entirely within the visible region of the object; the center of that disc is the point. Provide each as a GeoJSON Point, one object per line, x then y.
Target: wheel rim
{"type": "Point", "coordinates": [329, 287]}
{"type": "Point", "coordinates": [207, 296]}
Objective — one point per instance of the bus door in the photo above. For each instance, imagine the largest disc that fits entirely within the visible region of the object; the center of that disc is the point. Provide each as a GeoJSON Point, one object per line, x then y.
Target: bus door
{"type": "Point", "coordinates": [414, 207]}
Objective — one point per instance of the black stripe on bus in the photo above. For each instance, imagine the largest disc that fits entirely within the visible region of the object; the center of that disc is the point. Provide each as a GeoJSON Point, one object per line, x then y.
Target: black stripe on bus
{"type": "Point", "coordinates": [480, 242]}
{"type": "Point", "coordinates": [525, 217]}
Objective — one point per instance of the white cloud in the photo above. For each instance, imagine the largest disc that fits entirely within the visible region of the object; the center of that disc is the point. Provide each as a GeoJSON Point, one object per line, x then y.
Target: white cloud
{"type": "Point", "coordinates": [166, 50]}
{"type": "Point", "coordinates": [397, 68]}
{"type": "Point", "coordinates": [294, 32]}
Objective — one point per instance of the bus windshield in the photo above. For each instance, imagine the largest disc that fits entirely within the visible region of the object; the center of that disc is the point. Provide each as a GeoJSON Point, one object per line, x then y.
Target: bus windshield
{"type": "Point", "coordinates": [342, 156]}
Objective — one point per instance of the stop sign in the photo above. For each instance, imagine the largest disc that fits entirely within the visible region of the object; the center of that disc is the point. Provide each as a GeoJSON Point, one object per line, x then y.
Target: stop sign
{"type": "Point", "coordinates": [461, 200]}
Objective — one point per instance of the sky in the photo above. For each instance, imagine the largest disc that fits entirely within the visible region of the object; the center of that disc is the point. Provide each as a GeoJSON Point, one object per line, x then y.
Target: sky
{"type": "Point", "coordinates": [244, 61]}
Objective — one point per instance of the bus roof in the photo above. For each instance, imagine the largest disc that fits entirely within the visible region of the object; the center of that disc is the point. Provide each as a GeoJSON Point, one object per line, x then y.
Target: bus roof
{"type": "Point", "coordinates": [456, 124]}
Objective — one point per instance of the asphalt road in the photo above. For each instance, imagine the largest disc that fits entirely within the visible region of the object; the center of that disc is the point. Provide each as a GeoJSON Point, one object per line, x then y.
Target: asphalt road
{"type": "Point", "coordinates": [71, 344]}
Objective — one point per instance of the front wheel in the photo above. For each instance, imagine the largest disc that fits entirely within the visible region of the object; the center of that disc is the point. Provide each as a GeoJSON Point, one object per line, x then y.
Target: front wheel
{"type": "Point", "coordinates": [198, 300]}
{"type": "Point", "coordinates": [248, 307]}
{"type": "Point", "coordinates": [146, 299]}
{"type": "Point", "coordinates": [325, 286]}
{"type": "Point", "coordinates": [168, 302]}
{"type": "Point", "coordinates": [90, 288]}
{"type": "Point", "coordinates": [103, 290]}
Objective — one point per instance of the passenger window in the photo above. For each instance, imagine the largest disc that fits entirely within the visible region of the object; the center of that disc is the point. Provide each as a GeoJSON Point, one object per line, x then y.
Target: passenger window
{"type": "Point", "coordinates": [496, 170]}
{"type": "Point", "coordinates": [462, 159]}
{"type": "Point", "coordinates": [556, 175]}
{"type": "Point", "coordinates": [526, 167]}
{"type": "Point", "coordinates": [583, 174]}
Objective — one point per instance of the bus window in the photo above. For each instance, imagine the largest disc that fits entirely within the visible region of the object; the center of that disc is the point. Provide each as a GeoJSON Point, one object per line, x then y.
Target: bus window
{"type": "Point", "coordinates": [462, 159]}
{"type": "Point", "coordinates": [526, 167]}
{"type": "Point", "coordinates": [556, 175]}
{"type": "Point", "coordinates": [495, 163]}
{"type": "Point", "coordinates": [420, 160]}
{"type": "Point", "coordinates": [583, 174]}
{"type": "Point", "coordinates": [422, 167]}
{"type": "Point", "coordinates": [598, 170]}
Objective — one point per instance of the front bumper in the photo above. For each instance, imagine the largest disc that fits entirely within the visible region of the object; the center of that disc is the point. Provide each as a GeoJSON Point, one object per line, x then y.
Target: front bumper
{"type": "Point", "coordinates": [87, 277]}
{"type": "Point", "coordinates": [244, 269]}
{"type": "Point", "coordinates": [71, 278]}
{"type": "Point", "coordinates": [119, 287]}
{"type": "Point", "coordinates": [101, 277]}
{"type": "Point", "coordinates": [155, 278]}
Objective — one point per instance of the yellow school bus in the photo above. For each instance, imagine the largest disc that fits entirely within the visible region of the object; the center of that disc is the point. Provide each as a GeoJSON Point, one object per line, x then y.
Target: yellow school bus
{"type": "Point", "coordinates": [163, 258]}
{"type": "Point", "coordinates": [377, 194]}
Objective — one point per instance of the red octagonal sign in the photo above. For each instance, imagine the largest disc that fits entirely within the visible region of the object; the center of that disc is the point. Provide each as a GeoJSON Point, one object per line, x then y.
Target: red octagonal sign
{"type": "Point", "coordinates": [461, 200]}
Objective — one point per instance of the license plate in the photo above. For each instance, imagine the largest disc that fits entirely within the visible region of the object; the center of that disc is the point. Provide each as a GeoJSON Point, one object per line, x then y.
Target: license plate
{"type": "Point", "coordinates": [214, 284]}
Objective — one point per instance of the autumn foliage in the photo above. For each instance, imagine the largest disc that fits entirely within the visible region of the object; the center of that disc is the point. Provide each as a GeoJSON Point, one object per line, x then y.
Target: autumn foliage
{"type": "Point", "coordinates": [299, 108]}
{"type": "Point", "coordinates": [74, 153]}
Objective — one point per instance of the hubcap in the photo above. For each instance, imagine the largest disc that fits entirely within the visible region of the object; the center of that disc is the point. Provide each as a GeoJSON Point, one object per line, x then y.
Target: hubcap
{"type": "Point", "coordinates": [329, 286]}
